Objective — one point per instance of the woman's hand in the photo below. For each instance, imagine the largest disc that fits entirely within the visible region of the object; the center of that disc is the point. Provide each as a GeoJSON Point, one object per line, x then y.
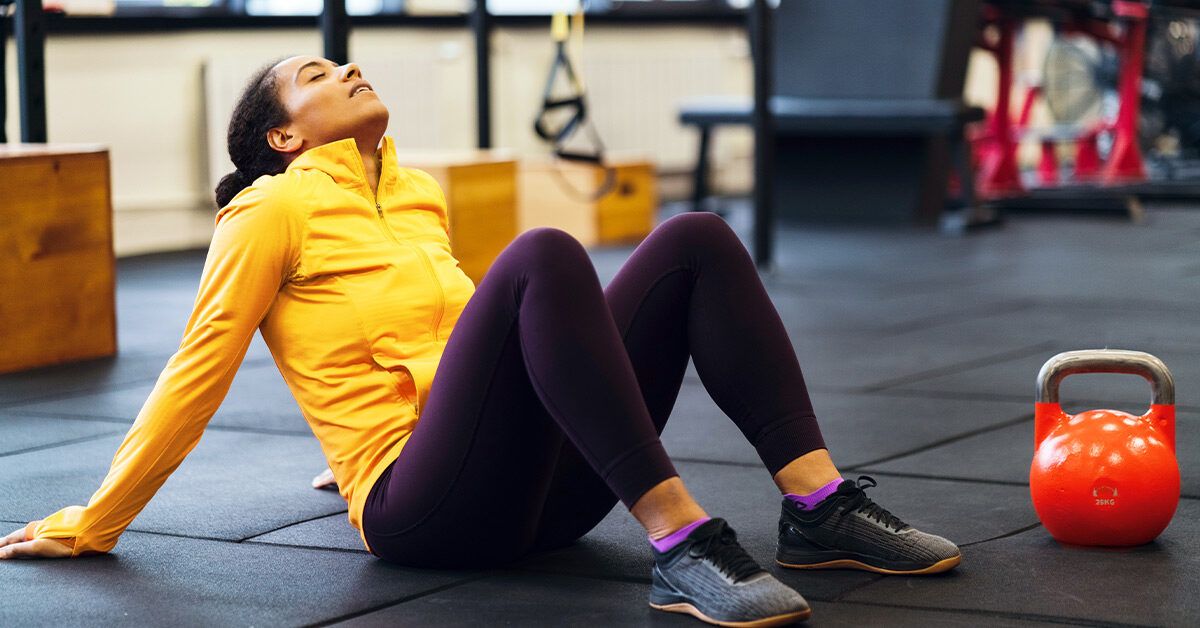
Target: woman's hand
{"type": "Point", "coordinates": [16, 545]}
{"type": "Point", "coordinates": [325, 481]}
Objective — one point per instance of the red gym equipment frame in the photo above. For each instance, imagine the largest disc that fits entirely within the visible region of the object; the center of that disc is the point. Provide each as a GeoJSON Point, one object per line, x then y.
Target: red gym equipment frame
{"type": "Point", "coordinates": [995, 148]}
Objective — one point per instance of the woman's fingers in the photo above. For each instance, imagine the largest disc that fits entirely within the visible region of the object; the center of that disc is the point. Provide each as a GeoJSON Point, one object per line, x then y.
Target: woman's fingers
{"type": "Point", "coordinates": [40, 548]}
{"type": "Point", "coordinates": [16, 546]}
{"type": "Point", "coordinates": [16, 537]}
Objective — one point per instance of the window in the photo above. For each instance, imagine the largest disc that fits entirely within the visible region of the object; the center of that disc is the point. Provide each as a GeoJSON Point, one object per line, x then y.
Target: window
{"type": "Point", "coordinates": [314, 7]}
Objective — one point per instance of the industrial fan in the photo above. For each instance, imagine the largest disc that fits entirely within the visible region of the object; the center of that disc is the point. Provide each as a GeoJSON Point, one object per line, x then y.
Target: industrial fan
{"type": "Point", "coordinates": [1080, 84]}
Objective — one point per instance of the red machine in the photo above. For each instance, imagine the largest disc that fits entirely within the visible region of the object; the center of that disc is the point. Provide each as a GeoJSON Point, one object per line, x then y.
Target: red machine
{"type": "Point", "coordinates": [1122, 24]}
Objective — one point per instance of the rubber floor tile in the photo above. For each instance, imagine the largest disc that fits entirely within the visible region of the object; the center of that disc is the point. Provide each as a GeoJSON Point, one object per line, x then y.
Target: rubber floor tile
{"type": "Point", "coordinates": [1017, 378]}
{"type": "Point", "coordinates": [1006, 454]}
{"type": "Point", "coordinates": [258, 399]}
{"type": "Point", "coordinates": [1032, 574]}
{"type": "Point", "coordinates": [333, 532]}
{"type": "Point", "coordinates": [232, 486]}
{"type": "Point", "coordinates": [20, 433]}
{"type": "Point", "coordinates": [78, 377]}
{"type": "Point", "coordinates": [512, 599]}
{"type": "Point", "coordinates": [748, 499]}
{"type": "Point", "coordinates": [153, 580]}
{"type": "Point", "coordinates": [857, 615]}
{"type": "Point", "coordinates": [858, 428]}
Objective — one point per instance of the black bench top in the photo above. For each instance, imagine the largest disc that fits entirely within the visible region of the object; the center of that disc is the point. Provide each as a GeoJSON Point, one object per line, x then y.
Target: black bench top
{"type": "Point", "coordinates": [836, 116]}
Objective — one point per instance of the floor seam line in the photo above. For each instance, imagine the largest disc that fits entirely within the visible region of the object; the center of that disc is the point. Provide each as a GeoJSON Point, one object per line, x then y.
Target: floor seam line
{"type": "Point", "coordinates": [176, 535]}
{"type": "Point", "coordinates": [949, 440]}
{"type": "Point", "coordinates": [294, 523]}
{"type": "Point", "coordinates": [1003, 356]}
{"type": "Point", "coordinates": [73, 441]}
{"type": "Point", "coordinates": [43, 414]}
{"type": "Point", "coordinates": [339, 550]}
{"type": "Point", "coordinates": [1032, 526]}
{"type": "Point", "coordinates": [83, 392]}
{"type": "Point", "coordinates": [403, 600]}
{"type": "Point", "coordinates": [969, 396]}
{"type": "Point", "coordinates": [982, 312]}
{"type": "Point", "coordinates": [948, 478]}
{"type": "Point", "coordinates": [1058, 619]}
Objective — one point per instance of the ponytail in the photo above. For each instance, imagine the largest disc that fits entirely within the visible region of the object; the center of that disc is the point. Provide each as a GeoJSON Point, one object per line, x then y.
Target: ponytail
{"type": "Point", "coordinates": [230, 185]}
{"type": "Point", "coordinates": [257, 111]}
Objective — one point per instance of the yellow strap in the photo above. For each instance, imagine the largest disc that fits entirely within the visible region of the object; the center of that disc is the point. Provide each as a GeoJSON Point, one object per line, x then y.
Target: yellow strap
{"type": "Point", "coordinates": [577, 53]}
{"type": "Point", "coordinates": [558, 27]}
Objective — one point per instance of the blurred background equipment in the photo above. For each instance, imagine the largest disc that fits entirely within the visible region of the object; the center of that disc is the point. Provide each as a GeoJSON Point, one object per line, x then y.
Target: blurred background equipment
{"type": "Point", "coordinates": [57, 270]}
{"type": "Point", "coordinates": [1121, 95]}
{"type": "Point", "coordinates": [858, 133]}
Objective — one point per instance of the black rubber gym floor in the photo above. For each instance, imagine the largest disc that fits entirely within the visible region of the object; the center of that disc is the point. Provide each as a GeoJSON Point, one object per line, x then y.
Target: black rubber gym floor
{"type": "Point", "coordinates": [920, 350]}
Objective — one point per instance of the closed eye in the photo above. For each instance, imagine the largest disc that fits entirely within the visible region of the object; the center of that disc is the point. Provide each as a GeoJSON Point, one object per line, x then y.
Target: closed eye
{"type": "Point", "coordinates": [316, 77]}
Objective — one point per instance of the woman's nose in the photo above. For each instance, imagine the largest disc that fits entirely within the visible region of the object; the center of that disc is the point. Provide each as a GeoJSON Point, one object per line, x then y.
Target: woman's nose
{"type": "Point", "coordinates": [350, 71]}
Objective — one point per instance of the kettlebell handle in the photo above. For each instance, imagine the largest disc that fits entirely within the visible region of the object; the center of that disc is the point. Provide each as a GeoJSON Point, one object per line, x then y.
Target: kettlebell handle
{"type": "Point", "coordinates": [1150, 368]}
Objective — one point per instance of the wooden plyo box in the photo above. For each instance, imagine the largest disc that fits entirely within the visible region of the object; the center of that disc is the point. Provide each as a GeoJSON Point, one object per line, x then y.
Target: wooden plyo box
{"type": "Point", "coordinates": [57, 272]}
{"type": "Point", "coordinates": [556, 194]}
{"type": "Point", "coordinates": [481, 195]}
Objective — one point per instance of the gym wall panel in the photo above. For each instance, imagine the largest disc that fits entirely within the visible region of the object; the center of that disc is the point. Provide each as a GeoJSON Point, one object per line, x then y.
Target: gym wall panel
{"type": "Point", "coordinates": [636, 77]}
{"type": "Point", "coordinates": [161, 103]}
{"type": "Point", "coordinates": [424, 78]}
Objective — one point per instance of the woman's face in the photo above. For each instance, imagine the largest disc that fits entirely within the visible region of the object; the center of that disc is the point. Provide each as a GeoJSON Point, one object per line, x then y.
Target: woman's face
{"type": "Point", "coordinates": [326, 102]}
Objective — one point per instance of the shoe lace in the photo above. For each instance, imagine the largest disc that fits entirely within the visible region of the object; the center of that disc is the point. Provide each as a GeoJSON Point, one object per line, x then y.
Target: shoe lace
{"type": "Point", "coordinates": [726, 554]}
{"type": "Point", "coordinates": [865, 505]}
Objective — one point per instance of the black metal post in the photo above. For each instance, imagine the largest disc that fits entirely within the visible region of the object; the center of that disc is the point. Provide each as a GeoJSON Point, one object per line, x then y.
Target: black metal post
{"type": "Point", "coordinates": [764, 164]}
{"type": "Point", "coordinates": [3, 70]}
{"type": "Point", "coordinates": [30, 27]}
{"type": "Point", "coordinates": [700, 177]}
{"type": "Point", "coordinates": [335, 31]}
{"type": "Point", "coordinates": [481, 26]}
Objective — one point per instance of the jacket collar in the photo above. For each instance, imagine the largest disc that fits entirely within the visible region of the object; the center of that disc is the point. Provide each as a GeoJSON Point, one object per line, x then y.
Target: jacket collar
{"type": "Point", "coordinates": [342, 161]}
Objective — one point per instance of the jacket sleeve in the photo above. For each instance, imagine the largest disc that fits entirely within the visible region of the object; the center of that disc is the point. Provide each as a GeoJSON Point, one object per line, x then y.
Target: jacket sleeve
{"type": "Point", "coordinates": [254, 250]}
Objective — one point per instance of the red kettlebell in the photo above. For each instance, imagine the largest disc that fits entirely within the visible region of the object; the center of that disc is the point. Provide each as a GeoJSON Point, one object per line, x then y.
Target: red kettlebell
{"type": "Point", "coordinates": [1104, 477]}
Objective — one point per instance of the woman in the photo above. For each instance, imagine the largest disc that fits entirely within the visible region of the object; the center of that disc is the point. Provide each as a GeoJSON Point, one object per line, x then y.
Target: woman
{"type": "Point", "coordinates": [550, 392]}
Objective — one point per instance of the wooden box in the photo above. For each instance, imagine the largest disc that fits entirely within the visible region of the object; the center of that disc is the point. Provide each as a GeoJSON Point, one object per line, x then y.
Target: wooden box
{"type": "Point", "coordinates": [481, 194]}
{"type": "Point", "coordinates": [559, 194]}
{"type": "Point", "coordinates": [57, 272]}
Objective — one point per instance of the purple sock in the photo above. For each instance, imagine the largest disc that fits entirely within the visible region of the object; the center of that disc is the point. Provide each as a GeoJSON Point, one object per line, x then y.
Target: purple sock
{"type": "Point", "coordinates": [808, 502]}
{"type": "Point", "coordinates": [676, 537]}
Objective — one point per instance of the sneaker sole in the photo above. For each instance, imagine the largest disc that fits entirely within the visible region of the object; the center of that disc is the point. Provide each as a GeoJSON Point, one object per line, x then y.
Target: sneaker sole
{"type": "Point", "coordinates": [776, 620]}
{"type": "Point", "coordinates": [846, 563]}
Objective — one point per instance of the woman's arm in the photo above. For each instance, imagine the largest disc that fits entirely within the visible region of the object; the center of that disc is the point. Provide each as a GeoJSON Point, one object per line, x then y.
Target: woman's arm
{"type": "Point", "coordinates": [254, 250]}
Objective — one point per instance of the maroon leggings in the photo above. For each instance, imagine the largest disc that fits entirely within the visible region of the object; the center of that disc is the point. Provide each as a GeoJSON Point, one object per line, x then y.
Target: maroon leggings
{"type": "Point", "coordinates": [551, 393]}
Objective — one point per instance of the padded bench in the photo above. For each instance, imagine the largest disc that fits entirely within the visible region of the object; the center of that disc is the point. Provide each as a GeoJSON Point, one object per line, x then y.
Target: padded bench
{"type": "Point", "coordinates": [838, 117]}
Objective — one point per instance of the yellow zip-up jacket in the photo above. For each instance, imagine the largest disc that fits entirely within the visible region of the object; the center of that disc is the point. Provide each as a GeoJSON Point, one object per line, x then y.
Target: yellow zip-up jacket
{"type": "Point", "coordinates": [355, 295]}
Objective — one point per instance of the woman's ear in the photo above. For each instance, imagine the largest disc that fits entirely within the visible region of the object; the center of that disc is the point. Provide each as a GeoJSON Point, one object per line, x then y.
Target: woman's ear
{"type": "Point", "coordinates": [280, 139]}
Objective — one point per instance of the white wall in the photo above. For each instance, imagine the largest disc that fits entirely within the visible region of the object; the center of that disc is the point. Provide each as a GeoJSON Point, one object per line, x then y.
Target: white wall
{"type": "Point", "coordinates": [144, 95]}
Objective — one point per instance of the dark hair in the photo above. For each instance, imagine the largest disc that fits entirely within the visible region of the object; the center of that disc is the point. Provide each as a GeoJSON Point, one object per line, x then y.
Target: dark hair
{"type": "Point", "coordinates": [257, 111]}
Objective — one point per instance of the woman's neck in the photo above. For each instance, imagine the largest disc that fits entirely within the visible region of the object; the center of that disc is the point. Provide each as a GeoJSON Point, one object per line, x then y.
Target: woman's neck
{"type": "Point", "coordinates": [372, 164]}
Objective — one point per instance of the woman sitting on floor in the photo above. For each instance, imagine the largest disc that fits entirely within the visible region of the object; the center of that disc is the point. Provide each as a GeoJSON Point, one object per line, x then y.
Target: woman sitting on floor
{"type": "Point", "coordinates": [550, 392]}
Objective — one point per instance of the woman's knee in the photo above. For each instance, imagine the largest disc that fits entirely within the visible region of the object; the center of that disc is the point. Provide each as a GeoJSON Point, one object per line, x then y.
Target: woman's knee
{"type": "Point", "coordinates": [543, 250]}
{"type": "Point", "coordinates": [699, 233]}
{"type": "Point", "coordinates": [550, 242]}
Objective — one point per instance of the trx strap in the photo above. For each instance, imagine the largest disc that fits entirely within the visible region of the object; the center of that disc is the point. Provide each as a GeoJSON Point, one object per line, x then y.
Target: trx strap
{"type": "Point", "coordinates": [575, 106]}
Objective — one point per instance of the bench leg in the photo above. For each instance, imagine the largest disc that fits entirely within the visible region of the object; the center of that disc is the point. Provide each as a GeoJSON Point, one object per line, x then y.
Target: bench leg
{"type": "Point", "coordinates": [961, 150]}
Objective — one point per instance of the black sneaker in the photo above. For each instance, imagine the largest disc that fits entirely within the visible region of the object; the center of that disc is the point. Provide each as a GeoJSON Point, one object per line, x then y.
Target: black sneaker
{"type": "Point", "coordinates": [848, 530]}
{"type": "Point", "coordinates": [710, 577]}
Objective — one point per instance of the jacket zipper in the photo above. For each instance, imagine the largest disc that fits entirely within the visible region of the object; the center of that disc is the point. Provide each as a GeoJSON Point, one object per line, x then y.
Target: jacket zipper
{"type": "Point", "coordinates": [383, 223]}
{"type": "Point", "coordinates": [441, 302]}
